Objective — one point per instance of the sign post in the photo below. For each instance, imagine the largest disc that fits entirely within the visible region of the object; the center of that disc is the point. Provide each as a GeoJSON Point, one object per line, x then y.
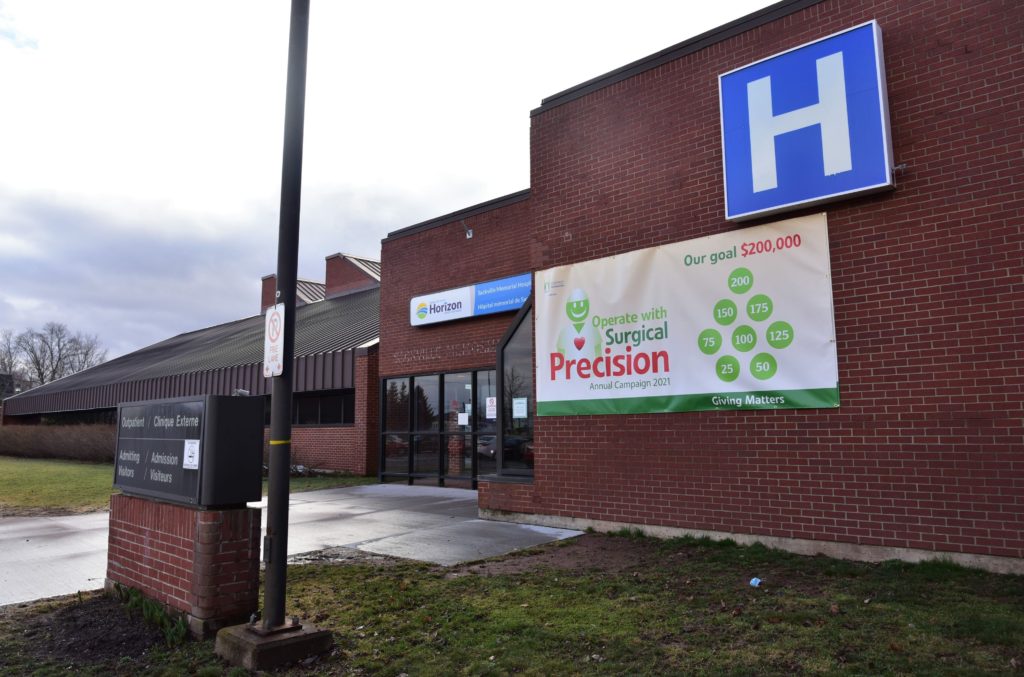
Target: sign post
{"type": "Point", "coordinates": [275, 545]}
{"type": "Point", "coordinates": [279, 641]}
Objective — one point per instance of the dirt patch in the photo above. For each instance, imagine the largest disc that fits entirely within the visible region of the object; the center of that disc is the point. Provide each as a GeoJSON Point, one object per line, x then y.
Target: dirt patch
{"type": "Point", "coordinates": [95, 630]}
{"type": "Point", "coordinates": [589, 552]}
{"type": "Point", "coordinates": [343, 555]}
{"type": "Point", "coordinates": [15, 511]}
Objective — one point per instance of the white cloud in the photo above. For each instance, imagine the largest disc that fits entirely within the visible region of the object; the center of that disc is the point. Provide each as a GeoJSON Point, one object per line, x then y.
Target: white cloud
{"type": "Point", "coordinates": [13, 246]}
{"type": "Point", "coordinates": [141, 141]}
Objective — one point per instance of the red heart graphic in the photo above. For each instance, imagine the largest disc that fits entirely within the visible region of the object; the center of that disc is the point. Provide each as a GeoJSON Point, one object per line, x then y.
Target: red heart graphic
{"type": "Point", "coordinates": [578, 342]}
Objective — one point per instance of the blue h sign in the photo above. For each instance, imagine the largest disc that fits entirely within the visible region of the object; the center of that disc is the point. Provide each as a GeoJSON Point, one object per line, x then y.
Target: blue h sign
{"type": "Point", "coordinates": [806, 126]}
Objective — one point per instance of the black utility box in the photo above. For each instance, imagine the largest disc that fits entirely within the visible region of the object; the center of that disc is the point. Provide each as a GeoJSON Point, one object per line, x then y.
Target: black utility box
{"type": "Point", "coordinates": [205, 450]}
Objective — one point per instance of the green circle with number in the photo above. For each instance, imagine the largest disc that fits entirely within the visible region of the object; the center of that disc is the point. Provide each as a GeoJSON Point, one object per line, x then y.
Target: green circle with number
{"type": "Point", "coordinates": [763, 366]}
{"type": "Point", "coordinates": [709, 341]}
{"type": "Point", "coordinates": [741, 280]}
{"type": "Point", "coordinates": [759, 307]}
{"type": "Point", "coordinates": [728, 368]}
{"type": "Point", "coordinates": [725, 312]}
{"type": "Point", "coordinates": [744, 338]}
{"type": "Point", "coordinates": [780, 334]}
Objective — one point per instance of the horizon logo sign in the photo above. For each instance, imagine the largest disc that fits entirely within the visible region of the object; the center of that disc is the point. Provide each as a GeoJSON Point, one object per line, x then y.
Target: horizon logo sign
{"type": "Point", "coordinates": [484, 298]}
{"type": "Point", "coordinates": [806, 126]}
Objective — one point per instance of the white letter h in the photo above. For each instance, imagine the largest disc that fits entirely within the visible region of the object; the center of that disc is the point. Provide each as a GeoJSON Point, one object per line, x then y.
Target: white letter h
{"type": "Point", "coordinates": [829, 112]}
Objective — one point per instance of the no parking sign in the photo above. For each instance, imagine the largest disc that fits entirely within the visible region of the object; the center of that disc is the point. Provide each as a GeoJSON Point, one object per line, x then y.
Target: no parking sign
{"type": "Point", "coordinates": [273, 342]}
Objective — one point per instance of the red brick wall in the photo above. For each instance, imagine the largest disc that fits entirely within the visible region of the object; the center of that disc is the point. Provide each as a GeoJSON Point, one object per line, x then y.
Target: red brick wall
{"type": "Point", "coordinates": [342, 276]}
{"type": "Point", "coordinates": [351, 448]}
{"type": "Point", "coordinates": [329, 448]}
{"type": "Point", "coordinates": [927, 448]}
{"type": "Point", "coordinates": [268, 292]}
{"type": "Point", "coordinates": [204, 563]}
{"type": "Point", "coordinates": [368, 407]}
{"type": "Point", "coordinates": [442, 258]}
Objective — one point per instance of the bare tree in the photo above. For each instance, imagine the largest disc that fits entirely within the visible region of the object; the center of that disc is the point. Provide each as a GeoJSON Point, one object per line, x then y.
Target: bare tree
{"type": "Point", "coordinates": [54, 352]}
{"type": "Point", "coordinates": [516, 383]}
{"type": "Point", "coordinates": [9, 358]}
{"type": "Point", "coordinates": [87, 352]}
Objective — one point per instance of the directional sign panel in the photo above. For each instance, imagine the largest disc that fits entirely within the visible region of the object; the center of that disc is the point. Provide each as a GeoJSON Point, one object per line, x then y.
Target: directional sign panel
{"type": "Point", "coordinates": [205, 450]}
{"type": "Point", "coordinates": [155, 443]}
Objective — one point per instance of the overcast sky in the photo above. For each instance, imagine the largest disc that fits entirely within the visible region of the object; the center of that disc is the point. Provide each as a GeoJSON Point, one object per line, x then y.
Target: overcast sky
{"type": "Point", "coordinates": [140, 141]}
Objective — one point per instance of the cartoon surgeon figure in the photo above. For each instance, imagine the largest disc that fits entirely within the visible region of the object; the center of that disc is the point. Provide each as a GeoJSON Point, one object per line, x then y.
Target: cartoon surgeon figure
{"type": "Point", "coordinates": [579, 338]}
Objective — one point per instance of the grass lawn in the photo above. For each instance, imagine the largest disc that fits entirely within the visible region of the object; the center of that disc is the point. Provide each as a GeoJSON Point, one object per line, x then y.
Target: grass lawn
{"type": "Point", "coordinates": [37, 486]}
{"type": "Point", "coordinates": [594, 605]}
{"type": "Point", "coordinates": [609, 605]}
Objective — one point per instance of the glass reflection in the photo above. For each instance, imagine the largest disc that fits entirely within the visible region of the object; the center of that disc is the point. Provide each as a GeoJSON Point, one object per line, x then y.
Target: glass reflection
{"type": "Point", "coordinates": [458, 455]}
{"type": "Point", "coordinates": [426, 450]}
{"type": "Point", "coordinates": [517, 406]}
{"type": "Point", "coordinates": [396, 404]}
{"type": "Point", "coordinates": [427, 402]}
{"type": "Point", "coordinates": [458, 401]}
{"type": "Point", "coordinates": [396, 453]}
{"type": "Point", "coordinates": [486, 412]}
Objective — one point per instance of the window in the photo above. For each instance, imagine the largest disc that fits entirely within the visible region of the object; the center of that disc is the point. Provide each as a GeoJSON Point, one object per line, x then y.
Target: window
{"type": "Point", "coordinates": [328, 407]}
{"type": "Point", "coordinates": [337, 409]}
{"type": "Point", "coordinates": [515, 374]}
{"type": "Point", "coordinates": [307, 411]}
{"type": "Point", "coordinates": [486, 420]}
{"type": "Point", "coordinates": [458, 401]}
{"type": "Point", "coordinates": [396, 404]}
{"type": "Point", "coordinates": [427, 409]}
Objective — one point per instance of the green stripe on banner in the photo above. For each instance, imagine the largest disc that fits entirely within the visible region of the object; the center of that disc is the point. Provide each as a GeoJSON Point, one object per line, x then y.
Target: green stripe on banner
{"type": "Point", "coordinates": [818, 398]}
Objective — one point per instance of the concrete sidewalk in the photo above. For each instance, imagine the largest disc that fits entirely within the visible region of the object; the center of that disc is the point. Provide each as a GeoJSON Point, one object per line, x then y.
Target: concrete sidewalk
{"type": "Point", "coordinates": [48, 556]}
{"type": "Point", "coordinates": [430, 524]}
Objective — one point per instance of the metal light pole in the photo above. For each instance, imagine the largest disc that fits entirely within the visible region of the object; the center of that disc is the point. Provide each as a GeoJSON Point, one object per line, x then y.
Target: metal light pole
{"type": "Point", "coordinates": [275, 544]}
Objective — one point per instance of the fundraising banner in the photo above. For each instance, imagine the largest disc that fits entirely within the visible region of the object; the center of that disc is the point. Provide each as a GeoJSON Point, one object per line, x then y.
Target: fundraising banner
{"type": "Point", "coordinates": [740, 320]}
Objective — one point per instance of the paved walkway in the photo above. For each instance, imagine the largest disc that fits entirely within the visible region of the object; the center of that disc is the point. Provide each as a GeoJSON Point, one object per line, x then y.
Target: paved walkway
{"type": "Point", "coordinates": [48, 556]}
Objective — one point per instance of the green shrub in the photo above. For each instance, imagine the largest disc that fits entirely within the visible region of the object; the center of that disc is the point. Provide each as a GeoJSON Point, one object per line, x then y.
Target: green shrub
{"type": "Point", "coordinates": [155, 614]}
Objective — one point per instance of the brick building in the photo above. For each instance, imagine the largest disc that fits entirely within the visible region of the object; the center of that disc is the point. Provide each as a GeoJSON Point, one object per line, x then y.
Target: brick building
{"type": "Point", "coordinates": [335, 373]}
{"type": "Point", "coordinates": [889, 424]}
{"type": "Point", "coordinates": [920, 446]}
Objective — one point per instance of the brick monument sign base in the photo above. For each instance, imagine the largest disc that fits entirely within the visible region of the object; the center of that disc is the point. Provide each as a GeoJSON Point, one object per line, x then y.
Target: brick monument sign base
{"type": "Point", "coordinates": [203, 563]}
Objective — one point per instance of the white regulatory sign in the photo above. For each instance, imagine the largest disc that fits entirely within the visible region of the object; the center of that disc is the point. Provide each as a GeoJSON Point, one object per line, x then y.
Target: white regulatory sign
{"type": "Point", "coordinates": [190, 459]}
{"type": "Point", "coordinates": [273, 342]}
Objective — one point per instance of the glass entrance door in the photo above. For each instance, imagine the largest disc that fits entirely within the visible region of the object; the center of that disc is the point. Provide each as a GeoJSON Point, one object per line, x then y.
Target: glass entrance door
{"type": "Point", "coordinates": [439, 427]}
